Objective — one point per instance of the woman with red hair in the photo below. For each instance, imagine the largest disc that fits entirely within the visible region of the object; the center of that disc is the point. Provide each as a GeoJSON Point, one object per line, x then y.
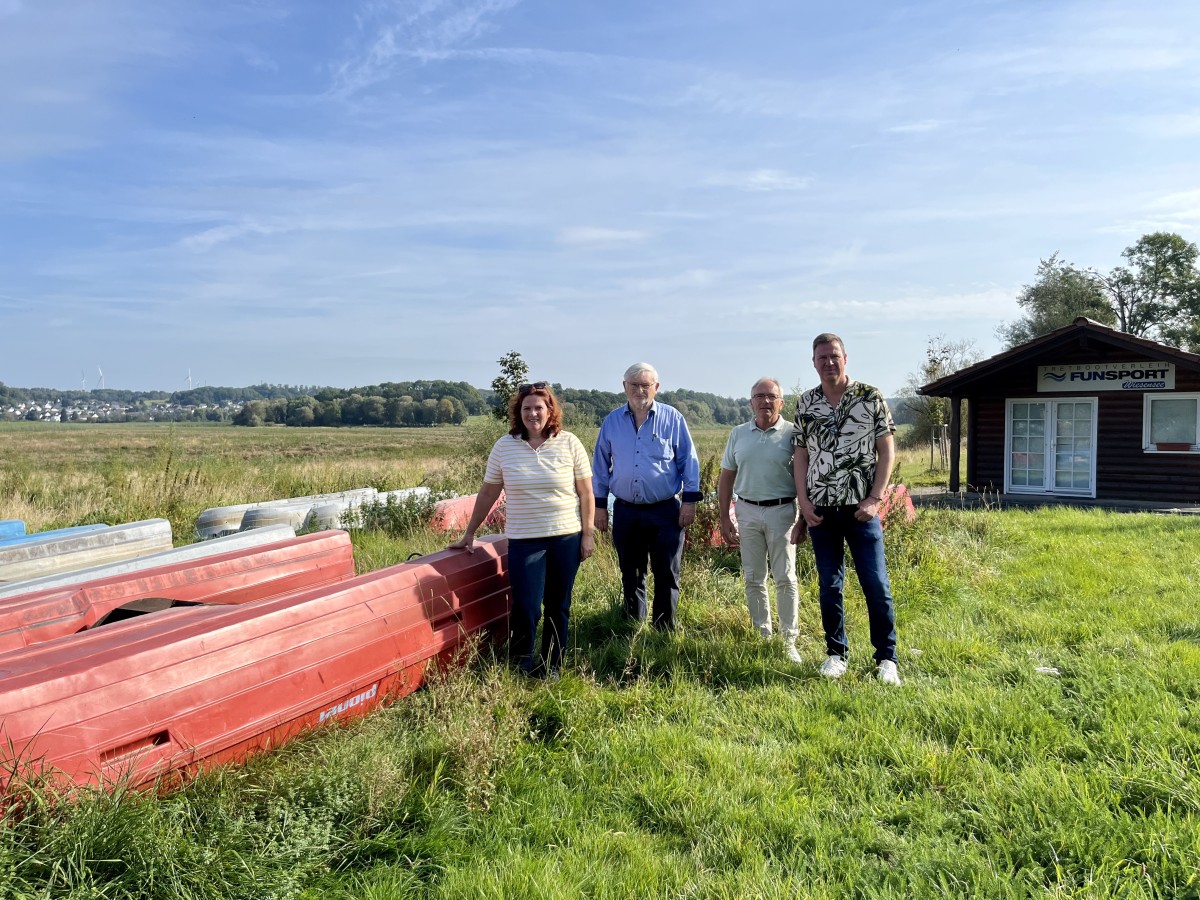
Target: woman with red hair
{"type": "Point", "coordinates": [549, 515]}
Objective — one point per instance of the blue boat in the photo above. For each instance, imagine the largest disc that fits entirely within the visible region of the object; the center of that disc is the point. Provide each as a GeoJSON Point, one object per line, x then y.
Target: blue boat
{"type": "Point", "coordinates": [10, 540]}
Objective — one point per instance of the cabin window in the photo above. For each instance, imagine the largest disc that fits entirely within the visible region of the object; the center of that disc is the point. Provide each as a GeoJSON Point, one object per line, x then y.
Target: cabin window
{"type": "Point", "coordinates": [1171, 423]}
{"type": "Point", "coordinates": [1050, 446]}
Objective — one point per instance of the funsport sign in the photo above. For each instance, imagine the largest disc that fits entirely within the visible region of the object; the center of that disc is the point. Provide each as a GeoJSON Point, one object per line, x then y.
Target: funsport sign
{"type": "Point", "coordinates": [1123, 376]}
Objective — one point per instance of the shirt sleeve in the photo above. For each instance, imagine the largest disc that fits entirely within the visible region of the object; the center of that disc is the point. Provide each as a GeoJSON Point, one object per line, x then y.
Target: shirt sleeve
{"type": "Point", "coordinates": [602, 465]}
{"type": "Point", "coordinates": [583, 468]}
{"type": "Point", "coordinates": [799, 437]}
{"type": "Point", "coordinates": [688, 462]}
{"type": "Point", "coordinates": [728, 461]}
{"type": "Point", "coordinates": [494, 474]}
{"type": "Point", "coordinates": [883, 417]}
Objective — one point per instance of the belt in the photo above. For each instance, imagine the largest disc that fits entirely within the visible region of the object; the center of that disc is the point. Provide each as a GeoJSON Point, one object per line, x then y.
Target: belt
{"type": "Point", "coordinates": [779, 502]}
{"type": "Point", "coordinates": [619, 502]}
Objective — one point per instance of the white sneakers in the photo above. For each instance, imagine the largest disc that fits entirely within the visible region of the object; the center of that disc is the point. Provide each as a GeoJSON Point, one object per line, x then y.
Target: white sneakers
{"type": "Point", "coordinates": [887, 673]}
{"type": "Point", "coordinates": [833, 667]}
{"type": "Point", "coordinates": [793, 654]}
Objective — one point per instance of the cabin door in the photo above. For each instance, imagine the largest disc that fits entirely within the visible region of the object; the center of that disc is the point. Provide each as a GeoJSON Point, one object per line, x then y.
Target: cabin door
{"type": "Point", "coordinates": [1050, 447]}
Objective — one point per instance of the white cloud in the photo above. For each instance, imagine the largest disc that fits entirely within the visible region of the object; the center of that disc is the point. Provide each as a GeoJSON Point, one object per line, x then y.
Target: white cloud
{"type": "Point", "coordinates": [683, 282]}
{"type": "Point", "coordinates": [916, 127]}
{"type": "Point", "coordinates": [1176, 125]}
{"type": "Point", "coordinates": [760, 180]}
{"type": "Point", "coordinates": [590, 236]}
{"type": "Point", "coordinates": [396, 31]}
{"type": "Point", "coordinates": [206, 240]}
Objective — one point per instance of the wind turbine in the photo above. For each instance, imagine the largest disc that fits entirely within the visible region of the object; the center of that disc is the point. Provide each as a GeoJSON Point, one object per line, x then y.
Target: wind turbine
{"type": "Point", "coordinates": [100, 386]}
{"type": "Point", "coordinates": [82, 380]}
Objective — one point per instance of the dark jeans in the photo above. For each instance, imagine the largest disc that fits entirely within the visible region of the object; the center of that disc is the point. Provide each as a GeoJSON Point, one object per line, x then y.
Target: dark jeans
{"type": "Point", "coordinates": [649, 532]}
{"type": "Point", "coordinates": [541, 572]}
{"type": "Point", "coordinates": [865, 540]}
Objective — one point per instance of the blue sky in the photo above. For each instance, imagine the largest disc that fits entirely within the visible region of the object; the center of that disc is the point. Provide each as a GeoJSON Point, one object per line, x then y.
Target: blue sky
{"type": "Point", "coordinates": [355, 192]}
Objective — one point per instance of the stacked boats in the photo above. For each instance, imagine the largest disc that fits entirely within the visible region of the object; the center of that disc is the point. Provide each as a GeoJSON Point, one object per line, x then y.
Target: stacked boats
{"type": "Point", "coordinates": [160, 664]}
{"type": "Point", "coordinates": [336, 510]}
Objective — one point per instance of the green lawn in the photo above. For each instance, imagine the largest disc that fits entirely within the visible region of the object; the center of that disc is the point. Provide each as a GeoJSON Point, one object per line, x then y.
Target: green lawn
{"type": "Point", "coordinates": [703, 764]}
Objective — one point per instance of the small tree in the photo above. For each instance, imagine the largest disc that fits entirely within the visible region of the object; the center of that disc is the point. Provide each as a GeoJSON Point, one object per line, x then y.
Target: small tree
{"type": "Point", "coordinates": [513, 372]}
{"type": "Point", "coordinates": [942, 357]}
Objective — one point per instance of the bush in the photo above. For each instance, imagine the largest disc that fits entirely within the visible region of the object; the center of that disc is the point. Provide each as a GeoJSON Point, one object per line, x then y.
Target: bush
{"type": "Point", "coordinates": [397, 516]}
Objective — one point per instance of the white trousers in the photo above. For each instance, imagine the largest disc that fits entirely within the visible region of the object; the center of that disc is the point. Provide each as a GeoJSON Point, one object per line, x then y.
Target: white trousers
{"type": "Point", "coordinates": [763, 535]}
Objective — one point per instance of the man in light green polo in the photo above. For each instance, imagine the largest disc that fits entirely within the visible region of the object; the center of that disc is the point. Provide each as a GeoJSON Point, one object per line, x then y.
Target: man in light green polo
{"type": "Point", "coordinates": [757, 466]}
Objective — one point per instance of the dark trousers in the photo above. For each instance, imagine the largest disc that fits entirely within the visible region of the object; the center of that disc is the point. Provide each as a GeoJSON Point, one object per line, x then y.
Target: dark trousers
{"type": "Point", "coordinates": [865, 539]}
{"type": "Point", "coordinates": [650, 533]}
{"type": "Point", "coordinates": [541, 572]}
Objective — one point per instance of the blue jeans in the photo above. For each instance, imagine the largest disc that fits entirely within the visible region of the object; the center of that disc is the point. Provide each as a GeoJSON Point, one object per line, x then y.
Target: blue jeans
{"type": "Point", "coordinates": [541, 572]}
{"type": "Point", "coordinates": [642, 532]}
{"type": "Point", "coordinates": [865, 540]}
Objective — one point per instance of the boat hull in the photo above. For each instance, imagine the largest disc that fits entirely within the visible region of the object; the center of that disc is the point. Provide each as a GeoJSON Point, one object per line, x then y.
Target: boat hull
{"type": "Point", "coordinates": [64, 553]}
{"type": "Point", "coordinates": [237, 576]}
{"type": "Point", "coordinates": [454, 513]}
{"type": "Point", "coordinates": [47, 535]}
{"type": "Point", "coordinates": [184, 689]}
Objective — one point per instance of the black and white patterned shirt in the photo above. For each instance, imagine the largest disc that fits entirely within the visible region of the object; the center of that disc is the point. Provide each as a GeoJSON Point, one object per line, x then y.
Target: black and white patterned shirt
{"type": "Point", "coordinates": [841, 442]}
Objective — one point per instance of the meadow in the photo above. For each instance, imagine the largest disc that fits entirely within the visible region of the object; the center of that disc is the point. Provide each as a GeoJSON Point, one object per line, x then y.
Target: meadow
{"type": "Point", "coordinates": [1044, 744]}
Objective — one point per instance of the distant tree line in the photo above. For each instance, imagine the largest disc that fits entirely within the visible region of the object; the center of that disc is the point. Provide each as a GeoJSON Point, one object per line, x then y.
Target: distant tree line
{"type": "Point", "coordinates": [207, 396]}
{"type": "Point", "coordinates": [392, 404]}
{"type": "Point", "coordinates": [423, 403]}
{"type": "Point", "coordinates": [585, 407]}
{"type": "Point", "coordinates": [219, 396]}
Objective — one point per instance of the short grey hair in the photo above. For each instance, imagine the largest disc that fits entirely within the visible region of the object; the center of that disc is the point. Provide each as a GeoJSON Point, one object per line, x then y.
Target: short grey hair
{"type": "Point", "coordinates": [767, 379]}
{"type": "Point", "coordinates": [639, 368]}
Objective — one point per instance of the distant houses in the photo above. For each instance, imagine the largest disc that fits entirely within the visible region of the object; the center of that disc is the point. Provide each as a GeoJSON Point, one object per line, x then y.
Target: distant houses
{"type": "Point", "coordinates": [95, 410]}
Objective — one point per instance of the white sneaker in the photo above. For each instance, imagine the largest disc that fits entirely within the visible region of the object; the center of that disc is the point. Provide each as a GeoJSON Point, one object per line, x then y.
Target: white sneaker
{"type": "Point", "coordinates": [887, 673]}
{"type": "Point", "coordinates": [793, 654]}
{"type": "Point", "coordinates": [833, 667]}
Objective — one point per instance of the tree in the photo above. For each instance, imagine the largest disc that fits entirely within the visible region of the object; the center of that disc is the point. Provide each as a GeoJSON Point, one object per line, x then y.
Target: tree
{"type": "Point", "coordinates": [1158, 294]}
{"type": "Point", "coordinates": [942, 357]}
{"type": "Point", "coordinates": [513, 372]}
{"type": "Point", "coordinates": [1061, 294]}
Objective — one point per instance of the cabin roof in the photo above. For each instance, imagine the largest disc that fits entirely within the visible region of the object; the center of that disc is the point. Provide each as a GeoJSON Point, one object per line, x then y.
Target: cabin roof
{"type": "Point", "coordinates": [1080, 333]}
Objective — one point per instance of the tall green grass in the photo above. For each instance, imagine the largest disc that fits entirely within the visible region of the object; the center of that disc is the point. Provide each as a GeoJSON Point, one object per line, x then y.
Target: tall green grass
{"type": "Point", "coordinates": [703, 764]}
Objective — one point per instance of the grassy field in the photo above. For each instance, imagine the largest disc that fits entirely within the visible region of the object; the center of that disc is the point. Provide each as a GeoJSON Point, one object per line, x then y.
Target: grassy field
{"type": "Point", "coordinates": [1046, 742]}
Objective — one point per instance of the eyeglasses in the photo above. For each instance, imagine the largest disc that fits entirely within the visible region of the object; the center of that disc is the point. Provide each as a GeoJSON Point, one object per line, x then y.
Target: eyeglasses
{"type": "Point", "coordinates": [770, 398]}
{"type": "Point", "coordinates": [524, 389]}
{"type": "Point", "coordinates": [640, 385]}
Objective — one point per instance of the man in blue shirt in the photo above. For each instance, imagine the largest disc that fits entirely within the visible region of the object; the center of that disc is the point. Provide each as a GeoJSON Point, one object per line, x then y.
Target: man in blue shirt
{"type": "Point", "coordinates": [644, 456]}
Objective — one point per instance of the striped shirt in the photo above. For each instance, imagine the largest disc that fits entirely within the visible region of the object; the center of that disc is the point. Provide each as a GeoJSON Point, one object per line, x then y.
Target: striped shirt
{"type": "Point", "coordinates": [540, 499]}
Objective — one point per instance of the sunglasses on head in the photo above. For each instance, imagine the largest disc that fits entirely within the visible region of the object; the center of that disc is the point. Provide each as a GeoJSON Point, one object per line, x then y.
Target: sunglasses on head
{"type": "Point", "coordinates": [536, 386]}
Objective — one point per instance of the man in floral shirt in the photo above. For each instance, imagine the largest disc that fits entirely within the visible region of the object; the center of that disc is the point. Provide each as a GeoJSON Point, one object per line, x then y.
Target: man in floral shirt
{"type": "Point", "coordinates": [844, 454]}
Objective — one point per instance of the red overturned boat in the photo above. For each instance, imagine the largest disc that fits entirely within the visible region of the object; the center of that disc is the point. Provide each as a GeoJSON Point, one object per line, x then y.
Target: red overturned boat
{"type": "Point", "coordinates": [453, 513]}
{"type": "Point", "coordinates": [237, 576]}
{"type": "Point", "coordinates": [184, 688]}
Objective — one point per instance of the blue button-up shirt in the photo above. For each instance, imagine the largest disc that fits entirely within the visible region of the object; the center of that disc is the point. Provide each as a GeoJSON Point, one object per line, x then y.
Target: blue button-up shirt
{"type": "Point", "coordinates": [648, 464]}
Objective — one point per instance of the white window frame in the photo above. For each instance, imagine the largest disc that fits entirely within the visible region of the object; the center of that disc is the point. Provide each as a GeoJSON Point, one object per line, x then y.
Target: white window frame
{"type": "Point", "coordinates": [1148, 399]}
{"type": "Point", "coordinates": [1047, 487]}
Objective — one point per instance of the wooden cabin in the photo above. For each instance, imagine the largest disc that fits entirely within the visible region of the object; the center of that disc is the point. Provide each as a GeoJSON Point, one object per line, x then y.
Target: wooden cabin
{"type": "Point", "coordinates": [1082, 412]}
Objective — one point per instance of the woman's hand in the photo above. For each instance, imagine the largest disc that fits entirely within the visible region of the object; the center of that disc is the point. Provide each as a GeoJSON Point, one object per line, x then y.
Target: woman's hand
{"type": "Point", "coordinates": [466, 542]}
{"type": "Point", "coordinates": [587, 545]}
